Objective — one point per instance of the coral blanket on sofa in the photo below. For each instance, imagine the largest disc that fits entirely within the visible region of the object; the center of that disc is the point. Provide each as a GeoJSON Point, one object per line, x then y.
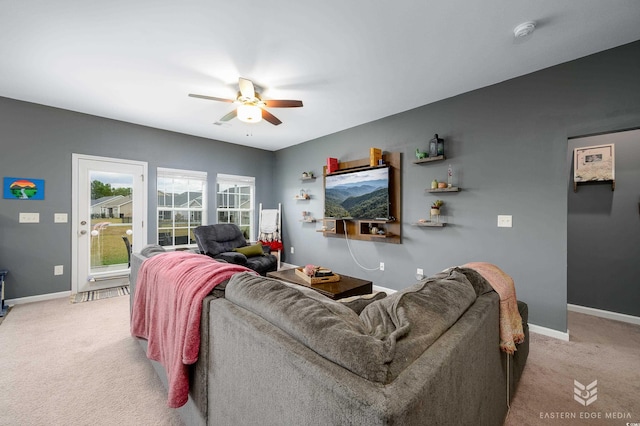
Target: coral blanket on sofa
{"type": "Point", "coordinates": [167, 308]}
{"type": "Point", "coordinates": [510, 320]}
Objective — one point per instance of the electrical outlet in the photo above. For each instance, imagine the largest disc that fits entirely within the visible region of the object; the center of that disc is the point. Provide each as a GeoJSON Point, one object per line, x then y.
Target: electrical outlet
{"type": "Point", "coordinates": [292, 250]}
{"type": "Point", "coordinates": [505, 221]}
{"type": "Point", "coordinates": [29, 218]}
{"type": "Point", "coordinates": [382, 266]}
{"type": "Point", "coordinates": [419, 271]}
{"type": "Point", "coordinates": [58, 270]}
{"type": "Point", "coordinates": [60, 218]}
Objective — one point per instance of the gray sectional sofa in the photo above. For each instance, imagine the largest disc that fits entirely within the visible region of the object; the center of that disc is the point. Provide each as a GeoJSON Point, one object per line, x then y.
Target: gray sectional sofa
{"type": "Point", "coordinates": [278, 354]}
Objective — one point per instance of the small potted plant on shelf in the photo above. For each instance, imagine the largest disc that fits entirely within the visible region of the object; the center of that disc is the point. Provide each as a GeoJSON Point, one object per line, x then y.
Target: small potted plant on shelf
{"type": "Point", "coordinates": [435, 208]}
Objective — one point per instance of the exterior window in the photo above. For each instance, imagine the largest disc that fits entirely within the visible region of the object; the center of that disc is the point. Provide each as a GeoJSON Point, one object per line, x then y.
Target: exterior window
{"type": "Point", "coordinates": [182, 206]}
{"type": "Point", "coordinates": [235, 202]}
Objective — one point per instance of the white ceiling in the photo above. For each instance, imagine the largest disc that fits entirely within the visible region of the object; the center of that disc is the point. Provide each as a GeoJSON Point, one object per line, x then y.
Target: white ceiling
{"type": "Point", "coordinates": [350, 62]}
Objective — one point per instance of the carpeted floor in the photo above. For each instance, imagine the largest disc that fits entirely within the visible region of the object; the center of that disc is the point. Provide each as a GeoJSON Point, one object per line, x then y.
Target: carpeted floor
{"type": "Point", "coordinates": [67, 364]}
{"type": "Point", "coordinates": [599, 349]}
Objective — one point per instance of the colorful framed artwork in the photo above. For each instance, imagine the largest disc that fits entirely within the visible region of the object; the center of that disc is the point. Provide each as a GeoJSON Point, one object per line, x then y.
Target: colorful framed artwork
{"type": "Point", "coordinates": [23, 188]}
{"type": "Point", "coordinates": [594, 164]}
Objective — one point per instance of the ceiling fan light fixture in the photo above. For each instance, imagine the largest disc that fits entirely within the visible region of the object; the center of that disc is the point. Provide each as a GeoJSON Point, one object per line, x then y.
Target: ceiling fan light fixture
{"type": "Point", "coordinates": [524, 29]}
{"type": "Point", "coordinates": [249, 113]}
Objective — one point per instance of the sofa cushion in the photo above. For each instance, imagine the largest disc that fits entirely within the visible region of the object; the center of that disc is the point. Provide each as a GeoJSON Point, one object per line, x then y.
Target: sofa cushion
{"type": "Point", "coordinates": [389, 334]}
{"type": "Point", "coordinates": [358, 303]}
{"type": "Point", "coordinates": [252, 250]}
{"type": "Point", "coordinates": [414, 318]}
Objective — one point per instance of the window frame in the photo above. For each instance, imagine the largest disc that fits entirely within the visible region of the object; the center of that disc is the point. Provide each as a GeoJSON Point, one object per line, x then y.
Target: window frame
{"type": "Point", "coordinates": [237, 180]}
{"type": "Point", "coordinates": [188, 176]}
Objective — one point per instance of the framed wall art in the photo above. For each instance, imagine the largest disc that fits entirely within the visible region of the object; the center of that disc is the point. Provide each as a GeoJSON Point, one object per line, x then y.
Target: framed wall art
{"type": "Point", "coordinates": [23, 188]}
{"type": "Point", "coordinates": [594, 164]}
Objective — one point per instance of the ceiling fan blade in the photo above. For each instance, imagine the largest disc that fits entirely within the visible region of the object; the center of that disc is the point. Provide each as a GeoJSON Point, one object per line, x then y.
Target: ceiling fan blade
{"type": "Point", "coordinates": [275, 103]}
{"type": "Point", "coordinates": [229, 116]}
{"type": "Point", "coordinates": [211, 98]}
{"type": "Point", "coordinates": [270, 117]}
{"type": "Point", "coordinates": [246, 88]}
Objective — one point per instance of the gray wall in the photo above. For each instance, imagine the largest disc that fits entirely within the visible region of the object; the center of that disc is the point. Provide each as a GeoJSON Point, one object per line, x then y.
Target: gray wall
{"type": "Point", "coordinates": [507, 144]}
{"type": "Point", "coordinates": [603, 232]}
{"type": "Point", "coordinates": [38, 141]}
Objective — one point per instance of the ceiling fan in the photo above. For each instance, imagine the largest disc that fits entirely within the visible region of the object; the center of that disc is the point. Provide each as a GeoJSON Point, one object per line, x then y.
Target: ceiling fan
{"type": "Point", "coordinates": [252, 106]}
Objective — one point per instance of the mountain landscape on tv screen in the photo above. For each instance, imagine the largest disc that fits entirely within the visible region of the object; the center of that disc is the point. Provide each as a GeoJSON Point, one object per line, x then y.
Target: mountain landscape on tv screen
{"type": "Point", "coordinates": [363, 199]}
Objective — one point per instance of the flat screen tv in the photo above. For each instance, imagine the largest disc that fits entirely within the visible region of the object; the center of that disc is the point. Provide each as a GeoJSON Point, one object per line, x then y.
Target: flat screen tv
{"type": "Point", "coordinates": [362, 194]}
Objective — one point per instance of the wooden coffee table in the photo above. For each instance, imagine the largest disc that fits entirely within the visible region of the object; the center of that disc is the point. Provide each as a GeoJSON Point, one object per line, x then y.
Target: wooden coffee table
{"type": "Point", "coordinates": [346, 287]}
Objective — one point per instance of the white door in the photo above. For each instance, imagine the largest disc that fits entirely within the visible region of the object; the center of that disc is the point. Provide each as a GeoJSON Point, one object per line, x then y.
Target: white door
{"type": "Point", "coordinates": [109, 204]}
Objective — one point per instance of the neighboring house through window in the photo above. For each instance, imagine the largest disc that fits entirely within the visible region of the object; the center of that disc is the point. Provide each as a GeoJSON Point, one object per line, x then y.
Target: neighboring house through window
{"type": "Point", "coordinates": [182, 206]}
{"type": "Point", "coordinates": [235, 202]}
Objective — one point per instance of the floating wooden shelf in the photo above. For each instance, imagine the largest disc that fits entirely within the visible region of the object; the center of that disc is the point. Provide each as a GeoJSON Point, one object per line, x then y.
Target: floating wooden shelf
{"type": "Point", "coordinates": [298, 198]}
{"type": "Point", "coordinates": [429, 224]}
{"type": "Point", "coordinates": [430, 159]}
{"type": "Point", "coordinates": [307, 178]}
{"type": "Point", "coordinates": [308, 221]}
{"type": "Point", "coordinates": [452, 189]}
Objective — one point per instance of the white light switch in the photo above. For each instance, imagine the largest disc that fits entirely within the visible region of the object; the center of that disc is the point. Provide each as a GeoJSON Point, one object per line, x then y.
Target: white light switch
{"type": "Point", "coordinates": [29, 218]}
{"type": "Point", "coordinates": [60, 218]}
{"type": "Point", "coordinates": [58, 270]}
{"type": "Point", "coordinates": [505, 221]}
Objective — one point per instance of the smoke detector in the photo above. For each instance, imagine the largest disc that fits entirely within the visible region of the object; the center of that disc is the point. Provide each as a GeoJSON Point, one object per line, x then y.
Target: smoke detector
{"type": "Point", "coordinates": [524, 29]}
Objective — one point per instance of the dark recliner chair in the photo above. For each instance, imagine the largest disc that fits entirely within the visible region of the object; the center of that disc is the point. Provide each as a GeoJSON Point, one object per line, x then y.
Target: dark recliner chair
{"type": "Point", "coordinates": [220, 240]}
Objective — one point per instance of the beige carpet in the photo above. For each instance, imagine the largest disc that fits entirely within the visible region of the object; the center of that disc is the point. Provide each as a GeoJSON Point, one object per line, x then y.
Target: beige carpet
{"type": "Point", "coordinates": [76, 364]}
{"type": "Point", "coordinates": [600, 349]}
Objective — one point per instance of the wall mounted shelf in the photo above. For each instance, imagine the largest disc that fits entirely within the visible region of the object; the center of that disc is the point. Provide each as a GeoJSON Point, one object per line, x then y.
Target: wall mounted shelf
{"type": "Point", "coordinates": [429, 224]}
{"type": "Point", "coordinates": [430, 159]}
{"type": "Point", "coordinates": [308, 178]}
{"type": "Point", "coordinates": [452, 189]}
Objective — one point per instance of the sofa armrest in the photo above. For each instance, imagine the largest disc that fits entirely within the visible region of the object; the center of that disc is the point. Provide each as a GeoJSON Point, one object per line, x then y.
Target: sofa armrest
{"type": "Point", "coordinates": [232, 257]}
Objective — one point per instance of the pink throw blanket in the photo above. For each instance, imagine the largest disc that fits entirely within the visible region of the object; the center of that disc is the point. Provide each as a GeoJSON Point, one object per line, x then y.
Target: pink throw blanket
{"type": "Point", "coordinates": [167, 307]}
{"type": "Point", "coordinates": [510, 319]}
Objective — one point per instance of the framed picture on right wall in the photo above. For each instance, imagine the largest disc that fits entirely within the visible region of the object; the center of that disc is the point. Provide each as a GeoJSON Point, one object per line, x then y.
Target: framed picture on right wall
{"type": "Point", "coordinates": [594, 164]}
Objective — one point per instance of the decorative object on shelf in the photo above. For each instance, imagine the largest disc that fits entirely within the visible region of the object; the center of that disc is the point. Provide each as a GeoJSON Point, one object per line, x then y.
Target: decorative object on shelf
{"type": "Point", "coordinates": [594, 164]}
{"type": "Point", "coordinates": [434, 184]}
{"type": "Point", "coordinates": [307, 175]}
{"type": "Point", "coordinates": [449, 176]}
{"type": "Point", "coordinates": [442, 185]}
{"type": "Point", "coordinates": [375, 156]}
{"type": "Point", "coordinates": [420, 155]}
{"type": "Point", "coordinates": [332, 165]}
{"type": "Point", "coordinates": [373, 230]}
{"type": "Point", "coordinates": [303, 195]}
{"type": "Point", "coordinates": [436, 146]}
{"type": "Point", "coordinates": [435, 210]}
{"type": "Point", "coordinates": [306, 217]}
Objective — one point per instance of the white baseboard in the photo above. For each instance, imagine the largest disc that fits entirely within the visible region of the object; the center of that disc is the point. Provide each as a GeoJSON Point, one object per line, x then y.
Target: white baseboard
{"type": "Point", "coordinates": [38, 298]}
{"type": "Point", "coordinates": [549, 332]}
{"type": "Point", "coordinates": [604, 314]}
{"type": "Point", "coordinates": [385, 289]}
